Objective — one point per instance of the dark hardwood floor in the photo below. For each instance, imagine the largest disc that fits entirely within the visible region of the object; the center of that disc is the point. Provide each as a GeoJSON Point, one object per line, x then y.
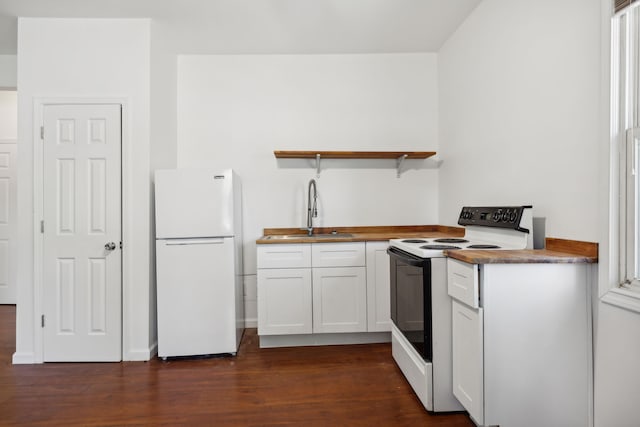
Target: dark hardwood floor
{"type": "Point", "coordinates": [306, 386]}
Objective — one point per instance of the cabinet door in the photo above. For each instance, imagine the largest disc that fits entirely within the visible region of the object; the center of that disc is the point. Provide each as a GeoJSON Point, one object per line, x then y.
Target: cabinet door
{"type": "Point", "coordinates": [468, 385]}
{"type": "Point", "coordinates": [284, 301]}
{"type": "Point", "coordinates": [378, 287]}
{"type": "Point", "coordinates": [339, 299]}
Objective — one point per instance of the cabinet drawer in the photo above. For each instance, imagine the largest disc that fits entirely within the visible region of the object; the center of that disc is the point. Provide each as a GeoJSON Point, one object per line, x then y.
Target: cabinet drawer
{"type": "Point", "coordinates": [462, 282]}
{"type": "Point", "coordinates": [284, 256]}
{"type": "Point", "coordinates": [338, 254]}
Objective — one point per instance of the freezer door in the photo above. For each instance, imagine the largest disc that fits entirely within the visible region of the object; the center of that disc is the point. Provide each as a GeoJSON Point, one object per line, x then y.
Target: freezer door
{"type": "Point", "coordinates": [194, 203]}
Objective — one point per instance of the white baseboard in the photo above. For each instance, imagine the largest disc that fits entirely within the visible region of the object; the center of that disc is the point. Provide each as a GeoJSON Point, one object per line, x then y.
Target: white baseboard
{"type": "Point", "coordinates": [23, 358]}
{"type": "Point", "coordinates": [142, 355]}
{"type": "Point", "coordinates": [268, 341]}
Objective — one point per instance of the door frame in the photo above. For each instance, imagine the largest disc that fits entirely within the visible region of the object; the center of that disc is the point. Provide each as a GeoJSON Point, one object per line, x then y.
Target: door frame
{"type": "Point", "coordinates": [13, 242]}
{"type": "Point", "coordinates": [39, 105]}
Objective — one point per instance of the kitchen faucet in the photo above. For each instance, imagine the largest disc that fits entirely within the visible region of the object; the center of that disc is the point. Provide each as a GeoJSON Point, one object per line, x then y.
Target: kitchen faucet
{"type": "Point", "coordinates": [312, 210]}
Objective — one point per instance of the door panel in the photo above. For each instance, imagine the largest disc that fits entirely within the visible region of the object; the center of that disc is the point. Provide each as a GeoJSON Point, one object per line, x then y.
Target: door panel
{"type": "Point", "coordinates": [468, 364]}
{"type": "Point", "coordinates": [8, 226]}
{"type": "Point", "coordinates": [284, 301]}
{"type": "Point", "coordinates": [82, 213]}
{"type": "Point", "coordinates": [339, 299]}
{"type": "Point", "coordinates": [378, 287]}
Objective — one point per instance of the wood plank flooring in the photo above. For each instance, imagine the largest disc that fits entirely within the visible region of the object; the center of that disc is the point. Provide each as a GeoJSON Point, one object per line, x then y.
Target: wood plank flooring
{"type": "Point", "coordinates": [306, 386]}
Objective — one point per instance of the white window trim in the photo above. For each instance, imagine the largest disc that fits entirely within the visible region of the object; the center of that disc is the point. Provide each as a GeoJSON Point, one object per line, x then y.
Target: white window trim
{"type": "Point", "coordinates": [623, 298]}
{"type": "Point", "coordinates": [624, 137]}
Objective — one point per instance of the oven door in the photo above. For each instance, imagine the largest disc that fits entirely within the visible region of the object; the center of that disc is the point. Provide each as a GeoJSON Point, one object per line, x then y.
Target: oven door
{"type": "Point", "coordinates": [411, 299]}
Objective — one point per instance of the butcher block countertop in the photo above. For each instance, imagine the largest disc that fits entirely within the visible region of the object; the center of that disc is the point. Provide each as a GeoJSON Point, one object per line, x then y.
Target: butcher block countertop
{"type": "Point", "coordinates": [356, 234]}
{"type": "Point", "coordinates": [557, 251]}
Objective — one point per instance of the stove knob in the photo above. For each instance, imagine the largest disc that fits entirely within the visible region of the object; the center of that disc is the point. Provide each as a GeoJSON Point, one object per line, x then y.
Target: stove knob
{"type": "Point", "coordinates": [497, 215]}
{"type": "Point", "coordinates": [513, 216]}
{"type": "Point", "coordinates": [505, 216]}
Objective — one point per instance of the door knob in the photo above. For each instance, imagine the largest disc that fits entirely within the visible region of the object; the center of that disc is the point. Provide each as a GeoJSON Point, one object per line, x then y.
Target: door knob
{"type": "Point", "coordinates": [110, 246]}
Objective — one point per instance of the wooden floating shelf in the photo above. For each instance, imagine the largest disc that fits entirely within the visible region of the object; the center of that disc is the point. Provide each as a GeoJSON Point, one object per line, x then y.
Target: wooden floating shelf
{"type": "Point", "coordinates": [399, 156]}
{"type": "Point", "coordinates": [282, 154]}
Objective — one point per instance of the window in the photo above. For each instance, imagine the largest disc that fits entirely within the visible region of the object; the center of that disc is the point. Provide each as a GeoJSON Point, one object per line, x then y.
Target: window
{"type": "Point", "coordinates": [625, 137]}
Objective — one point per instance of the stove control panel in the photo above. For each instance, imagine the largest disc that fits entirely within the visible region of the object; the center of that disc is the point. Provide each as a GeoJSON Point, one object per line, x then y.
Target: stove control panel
{"type": "Point", "coordinates": [494, 216]}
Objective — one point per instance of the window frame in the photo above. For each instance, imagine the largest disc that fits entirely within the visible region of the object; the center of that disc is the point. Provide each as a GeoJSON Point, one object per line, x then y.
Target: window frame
{"type": "Point", "coordinates": [625, 151]}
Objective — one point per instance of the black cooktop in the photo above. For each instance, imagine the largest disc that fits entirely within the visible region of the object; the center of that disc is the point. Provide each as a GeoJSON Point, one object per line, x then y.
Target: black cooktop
{"type": "Point", "coordinates": [451, 240]}
{"type": "Point", "coordinates": [439, 247]}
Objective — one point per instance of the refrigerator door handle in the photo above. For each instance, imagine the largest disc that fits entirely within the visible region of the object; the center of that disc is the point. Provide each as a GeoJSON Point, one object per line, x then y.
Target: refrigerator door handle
{"type": "Point", "coordinates": [194, 242]}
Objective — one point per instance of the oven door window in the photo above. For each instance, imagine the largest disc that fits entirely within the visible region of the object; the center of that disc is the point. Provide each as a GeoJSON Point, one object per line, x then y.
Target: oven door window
{"type": "Point", "coordinates": [410, 301]}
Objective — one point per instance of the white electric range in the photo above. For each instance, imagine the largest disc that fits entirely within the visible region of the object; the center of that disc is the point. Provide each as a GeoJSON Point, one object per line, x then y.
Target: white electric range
{"type": "Point", "coordinates": [485, 228]}
{"type": "Point", "coordinates": [420, 305]}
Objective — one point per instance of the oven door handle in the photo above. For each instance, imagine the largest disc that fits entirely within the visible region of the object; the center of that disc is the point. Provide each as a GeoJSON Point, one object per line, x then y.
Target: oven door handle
{"type": "Point", "coordinates": [406, 258]}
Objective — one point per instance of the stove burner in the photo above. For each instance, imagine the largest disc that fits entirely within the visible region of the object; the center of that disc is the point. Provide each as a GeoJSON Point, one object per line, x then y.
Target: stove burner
{"type": "Point", "coordinates": [414, 241]}
{"type": "Point", "coordinates": [451, 240]}
{"type": "Point", "coordinates": [439, 247]}
{"type": "Point", "coordinates": [483, 247]}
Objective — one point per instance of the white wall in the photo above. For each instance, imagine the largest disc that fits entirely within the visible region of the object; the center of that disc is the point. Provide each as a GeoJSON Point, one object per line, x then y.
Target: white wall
{"type": "Point", "coordinates": [526, 82]}
{"type": "Point", "coordinates": [84, 58]}
{"type": "Point", "coordinates": [519, 90]}
{"type": "Point", "coordinates": [617, 390]}
{"type": "Point", "coordinates": [163, 134]}
{"type": "Point", "coordinates": [8, 71]}
{"type": "Point", "coordinates": [234, 111]}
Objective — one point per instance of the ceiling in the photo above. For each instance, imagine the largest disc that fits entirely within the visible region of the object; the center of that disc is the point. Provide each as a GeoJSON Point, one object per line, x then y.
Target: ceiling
{"type": "Point", "coordinates": [265, 26]}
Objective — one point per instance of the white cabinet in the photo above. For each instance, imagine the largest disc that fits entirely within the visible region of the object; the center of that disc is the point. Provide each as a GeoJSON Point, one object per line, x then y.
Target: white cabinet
{"type": "Point", "coordinates": [378, 287]}
{"type": "Point", "coordinates": [284, 301]}
{"type": "Point", "coordinates": [522, 350]}
{"type": "Point", "coordinates": [463, 283]}
{"type": "Point", "coordinates": [339, 299]}
{"type": "Point", "coordinates": [284, 256]}
{"type": "Point", "coordinates": [284, 289]}
{"type": "Point", "coordinates": [339, 285]}
{"type": "Point", "coordinates": [346, 254]}
{"type": "Point", "coordinates": [323, 288]}
{"type": "Point", "coordinates": [467, 358]}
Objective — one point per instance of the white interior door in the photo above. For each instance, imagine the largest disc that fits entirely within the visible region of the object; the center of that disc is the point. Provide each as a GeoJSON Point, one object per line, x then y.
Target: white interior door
{"type": "Point", "coordinates": [8, 226]}
{"type": "Point", "coordinates": [82, 232]}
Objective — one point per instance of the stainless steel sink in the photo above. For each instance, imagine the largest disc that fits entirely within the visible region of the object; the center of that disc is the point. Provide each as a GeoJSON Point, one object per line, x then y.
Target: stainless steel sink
{"type": "Point", "coordinates": [313, 236]}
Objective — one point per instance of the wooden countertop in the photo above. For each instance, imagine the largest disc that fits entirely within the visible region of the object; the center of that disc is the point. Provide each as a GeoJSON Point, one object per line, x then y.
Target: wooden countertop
{"type": "Point", "coordinates": [356, 234]}
{"type": "Point", "coordinates": [557, 251]}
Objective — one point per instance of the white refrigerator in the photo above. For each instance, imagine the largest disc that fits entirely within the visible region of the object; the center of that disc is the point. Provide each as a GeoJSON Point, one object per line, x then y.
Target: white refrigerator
{"type": "Point", "coordinates": [198, 262]}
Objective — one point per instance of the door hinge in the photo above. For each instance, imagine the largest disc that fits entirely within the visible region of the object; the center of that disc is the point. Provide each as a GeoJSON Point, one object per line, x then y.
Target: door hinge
{"type": "Point", "coordinates": [120, 245]}
{"type": "Point", "coordinates": [42, 132]}
{"type": "Point", "coordinates": [42, 226]}
{"type": "Point", "coordinates": [42, 320]}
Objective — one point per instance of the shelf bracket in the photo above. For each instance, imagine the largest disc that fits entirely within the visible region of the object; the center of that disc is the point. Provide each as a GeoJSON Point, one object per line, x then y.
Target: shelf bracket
{"type": "Point", "coordinates": [318, 165]}
{"type": "Point", "coordinates": [399, 161]}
